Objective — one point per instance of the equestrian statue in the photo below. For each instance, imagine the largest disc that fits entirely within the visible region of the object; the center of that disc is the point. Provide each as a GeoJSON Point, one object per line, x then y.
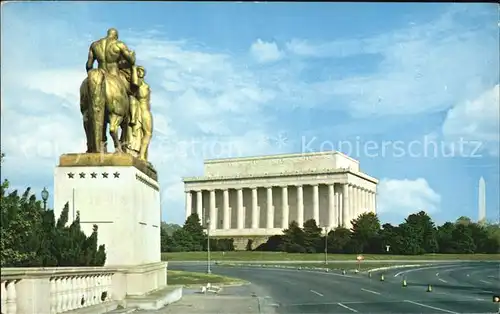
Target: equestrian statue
{"type": "Point", "coordinates": [116, 94]}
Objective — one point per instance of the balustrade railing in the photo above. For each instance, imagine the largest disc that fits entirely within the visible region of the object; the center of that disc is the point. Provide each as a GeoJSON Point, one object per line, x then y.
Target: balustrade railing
{"type": "Point", "coordinates": [66, 289]}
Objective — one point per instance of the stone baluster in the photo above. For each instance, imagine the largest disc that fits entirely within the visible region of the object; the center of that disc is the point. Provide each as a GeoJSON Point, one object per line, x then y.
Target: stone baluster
{"type": "Point", "coordinates": [86, 283]}
{"type": "Point", "coordinates": [66, 294]}
{"type": "Point", "coordinates": [53, 295]}
{"type": "Point", "coordinates": [3, 294]}
{"type": "Point", "coordinates": [11, 297]}
{"type": "Point", "coordinates": [93, 290]}
{"type": "Point", "coordinates": [108, 286]}
{"type": "Point", "coordinates": [59, 294]}
{"type": "Point", "coordinates": [78, 292]}
{"type": "Point", "coordinates": [75, 293]}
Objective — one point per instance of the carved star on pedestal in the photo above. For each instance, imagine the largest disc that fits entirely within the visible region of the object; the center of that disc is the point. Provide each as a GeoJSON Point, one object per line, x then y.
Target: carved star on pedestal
{"type": "Point", "coordinates": [71, 175]}
{"type": "Point", "coordinates": [104, 174]}
{"type": "Point", "coordinates": [82, 175]}
{"type": "Point", "coordinates": [116, 174]}
{"type": "Point", "coordinates": [93, 175]}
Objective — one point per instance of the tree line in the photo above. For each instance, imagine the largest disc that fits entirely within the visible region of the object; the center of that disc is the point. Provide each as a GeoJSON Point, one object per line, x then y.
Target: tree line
{"type": "Point", "coordinates": [417, 234]}
{"type": "Point", "coordinates": [30, 236]}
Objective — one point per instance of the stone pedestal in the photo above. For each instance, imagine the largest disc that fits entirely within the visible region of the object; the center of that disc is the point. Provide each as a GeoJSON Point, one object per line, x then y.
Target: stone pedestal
{"type": "Point", "coordinates": [118, 193]}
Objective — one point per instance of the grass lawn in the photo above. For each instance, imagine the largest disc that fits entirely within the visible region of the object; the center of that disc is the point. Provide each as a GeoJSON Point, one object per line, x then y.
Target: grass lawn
{"type": "Point", "coordinates": [280, 256]}
{"type": "Point", "coordinates": [186, 278]}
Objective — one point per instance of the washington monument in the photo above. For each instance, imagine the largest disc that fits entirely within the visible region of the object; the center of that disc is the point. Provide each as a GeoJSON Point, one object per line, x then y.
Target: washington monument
{"type": "Point", "coordinates": [482, 200]}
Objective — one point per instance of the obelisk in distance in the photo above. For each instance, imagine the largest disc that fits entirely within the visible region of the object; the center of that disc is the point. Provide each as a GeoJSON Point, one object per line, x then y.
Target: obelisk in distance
{"type": "Point", "coordinates": [482, 201]}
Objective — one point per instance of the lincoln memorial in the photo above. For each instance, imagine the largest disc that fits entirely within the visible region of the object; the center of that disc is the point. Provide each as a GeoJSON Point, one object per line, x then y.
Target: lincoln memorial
{"type": "Point", "coordinates": [257, 197]}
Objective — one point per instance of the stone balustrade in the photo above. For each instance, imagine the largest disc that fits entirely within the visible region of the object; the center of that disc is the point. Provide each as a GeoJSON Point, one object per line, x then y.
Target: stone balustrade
{"type": "Point", "coordinates": [62, 289]}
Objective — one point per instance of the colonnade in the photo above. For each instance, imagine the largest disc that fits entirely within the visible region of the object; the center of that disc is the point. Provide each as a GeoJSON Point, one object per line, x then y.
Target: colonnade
{"type": "Point", "coordinates": [341, 203]}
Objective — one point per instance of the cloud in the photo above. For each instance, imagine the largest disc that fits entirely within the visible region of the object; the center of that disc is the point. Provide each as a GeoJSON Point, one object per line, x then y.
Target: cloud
{"type": "Point", "coordinates": [476, 120]}
{"type": "Point", "coordinates": [265, 52]}
{"type": "Point", "coordinates": [206, 104]}
{"type": "Point", "coordinates": [403, 197]}
{"type": "Point", "coordinates": [423, 68]}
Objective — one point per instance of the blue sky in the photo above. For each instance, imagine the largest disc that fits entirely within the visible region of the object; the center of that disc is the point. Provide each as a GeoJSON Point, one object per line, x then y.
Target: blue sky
{"type": "Point", "coordinates": [242, 79]}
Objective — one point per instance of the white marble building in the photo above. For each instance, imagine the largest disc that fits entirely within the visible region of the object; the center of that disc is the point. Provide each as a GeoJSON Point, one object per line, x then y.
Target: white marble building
{"type": "Point", "coordinates": [260, 196]}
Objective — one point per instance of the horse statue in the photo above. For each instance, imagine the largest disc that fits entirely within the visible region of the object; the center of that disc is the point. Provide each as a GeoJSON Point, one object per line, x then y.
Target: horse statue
{"type": "Point", "coordinates": [104, 100]}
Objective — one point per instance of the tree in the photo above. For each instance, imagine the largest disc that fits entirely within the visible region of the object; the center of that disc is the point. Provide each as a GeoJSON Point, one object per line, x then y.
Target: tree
{"type": "Point", "coordinates": [293, 238]}
{"type": "Point", "coordinates": [445, 237]}
{"type": "Point", "coordinates": [425, 231]}
{"type": "Point", "coordinates": [30, 236]}
{"type": "Point", "coordinates": [365, 233]}
{"type": "Point", "coordinates": [338, 240]}
{"type": "Point", "coordinates": [193, 227]}
{"type": "Point", "coordinates": [462, 240]}
{"type": "Point", "coordinates": [312, 236]}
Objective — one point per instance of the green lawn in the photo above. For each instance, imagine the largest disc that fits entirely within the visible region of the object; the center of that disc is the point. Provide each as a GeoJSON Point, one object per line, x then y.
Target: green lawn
{"type": "Point", "coordinates": [177, 277]}
{"type": "Point", "coordinates": [280, 256]}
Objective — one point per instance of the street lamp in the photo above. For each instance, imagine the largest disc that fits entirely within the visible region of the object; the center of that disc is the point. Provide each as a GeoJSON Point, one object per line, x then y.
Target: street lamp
{"type": "Point", "coordinates": [326, 245]}
{"type": "Point", "coordinates": [45, 197]}
{"type": "Point", "coordinates": [208, 246]}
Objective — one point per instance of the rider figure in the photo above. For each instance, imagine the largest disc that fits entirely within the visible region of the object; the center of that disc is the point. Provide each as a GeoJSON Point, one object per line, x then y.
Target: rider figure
{"type": "Point", "coordinates": [108, 52]}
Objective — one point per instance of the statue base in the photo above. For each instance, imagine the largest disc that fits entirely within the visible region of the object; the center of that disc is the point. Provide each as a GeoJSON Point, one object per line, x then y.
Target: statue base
{"type": "Point", "coordinates": [121, 195]}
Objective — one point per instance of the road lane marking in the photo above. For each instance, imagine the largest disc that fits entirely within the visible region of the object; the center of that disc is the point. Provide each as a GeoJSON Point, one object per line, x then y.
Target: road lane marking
{"type": "Point", "coordinates": [437, 274]}
{"type": "Point", "coordinates": [420, 268]}
{"type": "Point", "coordinates": [374, 292]}
{"type": "Point", "coordinates": [316, 292]}
{"type": "Point", "coordinates": [486, 282]}
{"type": "Point", "coordinates": [347, 308]}
{"type": "Point", "coordinates": [442, 280]}
{"type": "Point", "coordinates": [431, 307]}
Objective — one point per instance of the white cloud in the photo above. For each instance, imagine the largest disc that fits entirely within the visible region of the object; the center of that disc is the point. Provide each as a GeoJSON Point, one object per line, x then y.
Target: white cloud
{"type": "Point", "coordinates": [476, 120]}
{"type": "Point", "coordinates": [265, 51]}
{"type": "Point", "coordinates": [419, 69]}
{"type": "Point", "coordinates": [205, 105]}
{"type": "Point", "coordinates": [403, 197]}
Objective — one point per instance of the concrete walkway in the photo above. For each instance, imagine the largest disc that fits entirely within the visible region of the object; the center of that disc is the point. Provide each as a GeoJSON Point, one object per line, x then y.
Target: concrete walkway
{"type": "Point", "coordinates": [210, 304]}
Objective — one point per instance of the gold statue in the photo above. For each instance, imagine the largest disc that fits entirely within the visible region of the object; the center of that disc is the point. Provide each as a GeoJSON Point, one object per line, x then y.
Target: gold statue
{"type": "Point", "coordinates": [115, 93]}
{"type": "Point", "coordinates": [138, 136]}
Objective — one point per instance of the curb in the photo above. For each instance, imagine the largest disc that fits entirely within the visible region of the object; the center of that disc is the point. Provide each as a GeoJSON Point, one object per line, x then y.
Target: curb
{"type": "Point", "coordinates": [391, 267]}
{"type": "Point", "coordinates": [323, 269]}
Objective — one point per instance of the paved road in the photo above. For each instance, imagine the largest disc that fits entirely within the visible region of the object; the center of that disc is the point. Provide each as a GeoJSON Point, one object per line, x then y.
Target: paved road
{"type": "Point", "coordinates": [456, 288]}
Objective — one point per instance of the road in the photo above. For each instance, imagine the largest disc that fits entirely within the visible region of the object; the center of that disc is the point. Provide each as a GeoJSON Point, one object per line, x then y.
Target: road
{"type": "Point", "coordinates": [462, 287]}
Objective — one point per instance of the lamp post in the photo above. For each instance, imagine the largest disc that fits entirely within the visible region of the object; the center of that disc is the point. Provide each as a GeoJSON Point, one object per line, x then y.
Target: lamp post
{"type": "Point", "coordinates": [45, 197]}
{"type": "Point", "coordinates": [208, 246]}
{"type": "Point", "coordinates": [326, 245]}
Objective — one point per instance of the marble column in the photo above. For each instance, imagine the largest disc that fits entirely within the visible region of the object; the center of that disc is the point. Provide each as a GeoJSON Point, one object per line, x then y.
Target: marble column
{"type": "Point", "coordinates": [345, 205]}
{"type": "Point", "coordinates": [189, 204]}
{"type": "Point", "coordinates": [285, 208]}
{"type": "Point", "coordinates": [315, 200]}
{"type": "Point", "coordinates": [255, 212]}
{"type": "Point", "coordinates": [226, 219]}
{"type": "Point", "coordinates": [213, 214]}
{"type": "Point", "coordinates": [374, 201]}
{"type": "Point", "coordinates": [352, 203]}
{"type": "Point", "coordinates": [331, 206]}
{"type": "Point", "coordinates": [300, 206]}
{"type": "Point", "coordinates": [338, 210]}
{"type": "Point", "coordinates": [199, 207]}
{"type": "Point", "coordinates": [239, 205]}
{"type": "Point", "coordinates": [270, 208]}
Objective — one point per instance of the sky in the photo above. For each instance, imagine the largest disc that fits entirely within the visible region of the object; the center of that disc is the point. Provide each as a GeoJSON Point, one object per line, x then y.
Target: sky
{"type": "Point", "coordinates": [411, 90]}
